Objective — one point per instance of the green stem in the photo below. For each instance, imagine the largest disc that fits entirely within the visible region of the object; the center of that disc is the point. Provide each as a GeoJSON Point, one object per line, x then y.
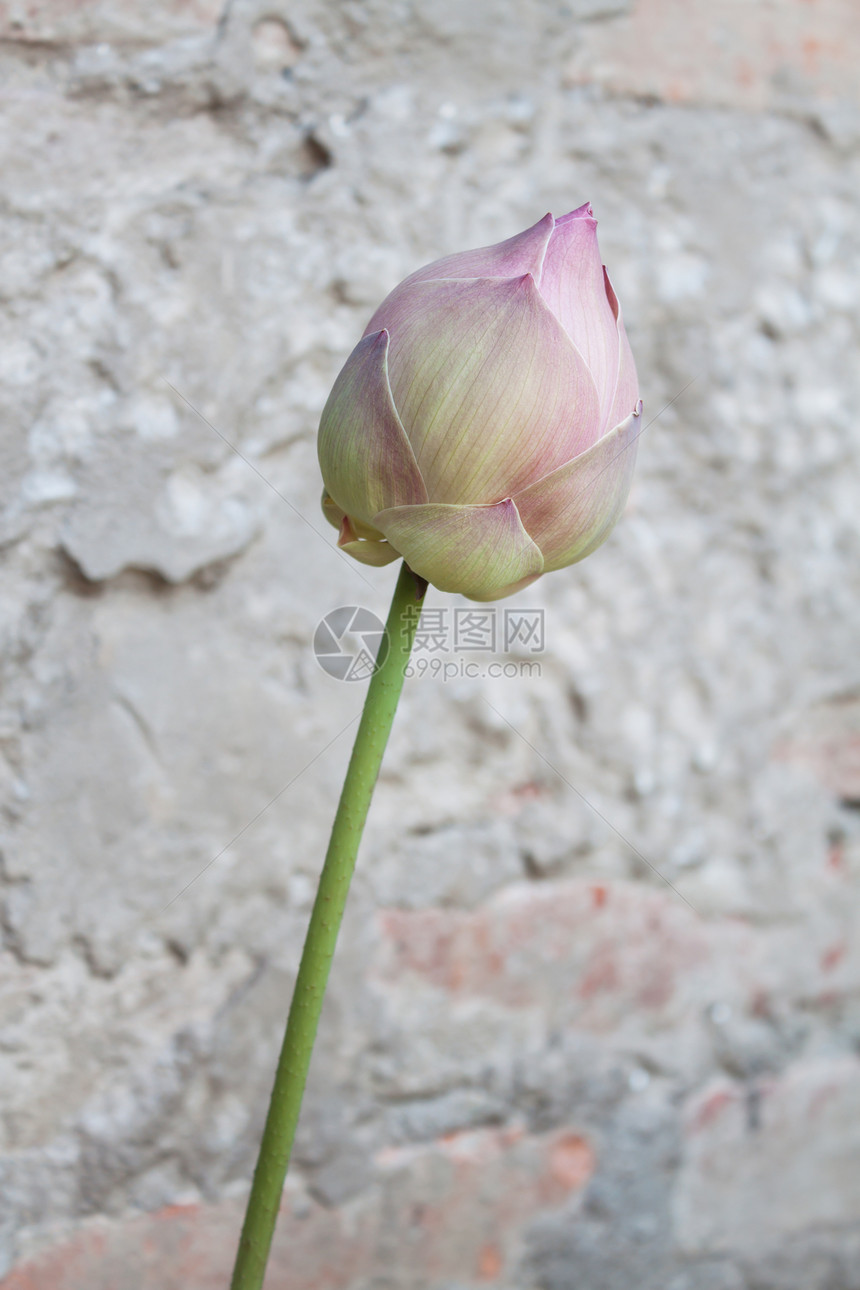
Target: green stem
{"type": "Point", "coordinates": [380, 706]}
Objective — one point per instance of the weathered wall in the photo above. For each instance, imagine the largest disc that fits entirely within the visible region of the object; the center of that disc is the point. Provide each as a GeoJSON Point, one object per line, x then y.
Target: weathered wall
{"type": "Point", "coordinates": [542, 1066]}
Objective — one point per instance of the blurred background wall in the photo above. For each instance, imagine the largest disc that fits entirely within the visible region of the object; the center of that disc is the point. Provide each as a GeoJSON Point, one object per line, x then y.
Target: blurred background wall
{"type": "Point", "coordinates": [595, 1017]}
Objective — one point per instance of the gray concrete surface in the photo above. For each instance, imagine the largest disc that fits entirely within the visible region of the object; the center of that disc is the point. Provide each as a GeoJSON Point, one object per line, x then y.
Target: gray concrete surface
{"type": "Point", "coordinates": [595, 1017]}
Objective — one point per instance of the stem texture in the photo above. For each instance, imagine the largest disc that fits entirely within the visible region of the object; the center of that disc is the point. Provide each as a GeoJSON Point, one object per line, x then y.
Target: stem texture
{"type": "Point", "coordinates": [380, 706]}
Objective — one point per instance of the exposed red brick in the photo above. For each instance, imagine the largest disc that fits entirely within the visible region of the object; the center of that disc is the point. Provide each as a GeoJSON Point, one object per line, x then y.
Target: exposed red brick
{"type": "Point", "coordinates": [712, 1105]}
{"type": "Point", "coordinates": [747, 1191]}
{"type": "Point", "coordinates": [599, 895]}
{"type": "Point", "coordinates": [572, 1161]}
{"type": "Point", "coordinates": [489, 1264]}
{"type": "Point", "coordinates": [826, 743]}
{"type": "Point", "coordinates": [602, 975]}
{"type": "Point", "coordinates": [613, 948]}
{"type": "Point", "coordinates": [836, 857]}
{"type": "Point", "coordinates": [832, 957]}
{"type": "Point", "coordinates": [456, 1204]}
{"type": "Point", "coordinates": [513, 801]}
{"type": "Point", "coordinates": [745, 54]}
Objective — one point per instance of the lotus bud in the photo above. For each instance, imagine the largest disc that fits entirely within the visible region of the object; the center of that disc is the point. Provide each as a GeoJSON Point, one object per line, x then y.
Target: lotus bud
{"type": "Point", "coordinates": [484, 428]}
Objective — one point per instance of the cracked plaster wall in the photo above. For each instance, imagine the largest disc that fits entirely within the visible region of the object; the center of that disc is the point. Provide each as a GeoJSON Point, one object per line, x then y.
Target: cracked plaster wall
{"type": "Point", "coordinates": [544, 1063]}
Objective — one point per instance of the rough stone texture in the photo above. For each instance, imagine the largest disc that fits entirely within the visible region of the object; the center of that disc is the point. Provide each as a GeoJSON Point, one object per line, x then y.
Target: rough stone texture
{"type": "Point", "coordinates": [594, 1021]}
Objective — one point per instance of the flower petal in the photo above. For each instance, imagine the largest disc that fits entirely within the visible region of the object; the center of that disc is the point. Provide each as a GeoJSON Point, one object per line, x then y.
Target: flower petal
{"type": "Point", "coordinates": [626, 394]}
{"type": "Point", "coordinates": [511, 589]}
{"type": "Point", "coordinates": [573, 510]}
{"type": "Point", "coordinates": [336, 517]}
{"type": "Point", "coordinates": [365, 457]}
{"type": "Point", "coordinates": [331, 510]}
{"type": "Point", "coordinates": [509, 259]}
{"type": "Point", "coordinates": [480, 551]}
{"type": "Point", "coordinates": [573, 286]}
{"type": "Point", "coordinates": [368, 550]}
{"type": "Point", "coordinates": [490, 390]}
{"type": "Point", "coordinates": [580, 213]}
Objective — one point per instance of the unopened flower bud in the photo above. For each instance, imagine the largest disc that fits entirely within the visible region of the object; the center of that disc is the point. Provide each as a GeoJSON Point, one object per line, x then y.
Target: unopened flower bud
{"type": "Point", "coordinates": [485, 426]}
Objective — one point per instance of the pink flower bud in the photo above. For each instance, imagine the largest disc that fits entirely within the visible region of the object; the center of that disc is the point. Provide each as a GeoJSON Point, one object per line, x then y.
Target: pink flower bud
{"type": "Point", "coordinates": [485, 426]}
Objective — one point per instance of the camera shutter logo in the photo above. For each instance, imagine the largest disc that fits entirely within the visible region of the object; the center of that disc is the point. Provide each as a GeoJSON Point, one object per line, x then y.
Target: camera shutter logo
{"type": "Point", "coordinates": [351, 643]}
